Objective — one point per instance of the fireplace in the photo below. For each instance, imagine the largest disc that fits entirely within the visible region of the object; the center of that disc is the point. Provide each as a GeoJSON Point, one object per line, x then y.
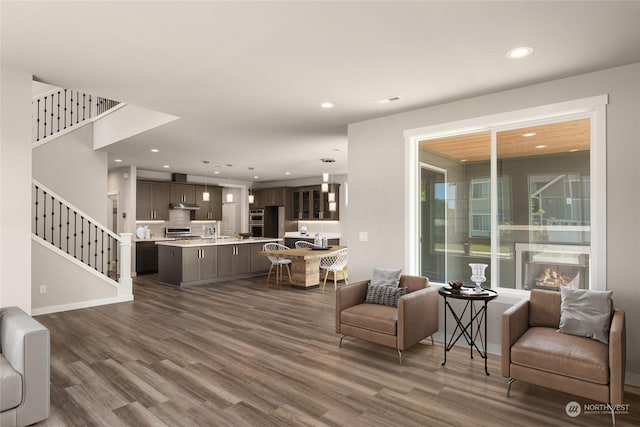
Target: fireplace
{"type": "Point", "coordinates": [540, 266]}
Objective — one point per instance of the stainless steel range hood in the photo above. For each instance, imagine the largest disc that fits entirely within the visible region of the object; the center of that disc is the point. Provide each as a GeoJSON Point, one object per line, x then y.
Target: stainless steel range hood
{"type": "Point", "coordinates": [184, 206]}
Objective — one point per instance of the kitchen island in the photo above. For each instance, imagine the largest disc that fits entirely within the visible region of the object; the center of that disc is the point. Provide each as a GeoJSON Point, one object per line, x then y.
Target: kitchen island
{"type": "Point", "coordinates": [209, 260]}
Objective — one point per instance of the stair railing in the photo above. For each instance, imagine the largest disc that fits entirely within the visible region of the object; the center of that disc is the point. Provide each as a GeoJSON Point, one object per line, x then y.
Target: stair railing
{"type": "Point", "coordinates": [62, 109]}
{"type": "Point", "coordinates": [77, 234]}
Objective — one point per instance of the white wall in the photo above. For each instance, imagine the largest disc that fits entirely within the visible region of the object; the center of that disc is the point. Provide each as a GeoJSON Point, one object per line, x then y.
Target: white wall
{"type": "Point", "coordinates": [15, 189]}
{"type": "Point", "coordinates": [125, 122]}
{"type": "Point", "coordinates": [377, 173]}
{"type": "Point", "coordinates": [71, 168]}
{"type": "Point", "coordinates": [86, 289]}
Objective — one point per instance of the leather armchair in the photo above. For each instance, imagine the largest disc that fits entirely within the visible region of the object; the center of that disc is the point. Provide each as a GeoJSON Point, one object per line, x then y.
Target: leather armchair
{"type": "Point", "coordinates": [24, 369]}
{"type": "Point", "coordinates": [415, 318]}
{"type": "Point", "coordinates": [533, 351]}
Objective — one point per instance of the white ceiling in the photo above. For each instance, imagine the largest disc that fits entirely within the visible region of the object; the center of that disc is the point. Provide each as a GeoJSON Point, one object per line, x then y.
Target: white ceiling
{"type": "Point", "coordinates": [247, 78]}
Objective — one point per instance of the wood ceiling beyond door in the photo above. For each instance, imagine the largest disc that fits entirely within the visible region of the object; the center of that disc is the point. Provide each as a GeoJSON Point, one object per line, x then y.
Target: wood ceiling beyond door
{"type": "Point", "coordinates": [553, 138]}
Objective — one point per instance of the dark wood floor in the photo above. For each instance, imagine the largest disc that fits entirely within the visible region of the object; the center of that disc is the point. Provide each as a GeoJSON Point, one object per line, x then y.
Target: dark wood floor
{"type": "Point", "coordinates": [245, 354]}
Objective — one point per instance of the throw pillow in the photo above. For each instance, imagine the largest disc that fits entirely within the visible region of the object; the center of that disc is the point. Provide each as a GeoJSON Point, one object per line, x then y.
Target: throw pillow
{"type": "Point", "coordinates": [386, 277]}
{"type": "Point", "coordinates": [586, 313]}
{"type": "Point", "coordinates": [385, 295]}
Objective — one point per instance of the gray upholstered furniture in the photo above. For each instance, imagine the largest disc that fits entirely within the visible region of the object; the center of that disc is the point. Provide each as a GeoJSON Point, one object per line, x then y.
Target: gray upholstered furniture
{"type": "Point", "coordinates": [535, 352]}
{"type": "Point", "coordinates": [24, 369]}
{"type": "Point", "coordinates": [414, 319]}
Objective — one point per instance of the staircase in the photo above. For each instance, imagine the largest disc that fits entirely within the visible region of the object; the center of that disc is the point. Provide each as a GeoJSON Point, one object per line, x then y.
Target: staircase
{"type": "Point", "coordinates": [61, 110]}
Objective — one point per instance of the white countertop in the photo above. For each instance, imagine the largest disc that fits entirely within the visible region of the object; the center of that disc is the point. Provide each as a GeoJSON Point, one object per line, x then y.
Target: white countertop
{"type": "Point", "coordinates": [297, 235]}
{"type": "Point", "coordinates": [190, 243]}
{"type": "Point", "coordinates": [154, 239]}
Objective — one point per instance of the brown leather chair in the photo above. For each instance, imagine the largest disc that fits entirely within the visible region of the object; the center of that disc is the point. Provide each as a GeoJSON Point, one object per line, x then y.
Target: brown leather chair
{"type": "Point", "coordinates": [415, 318]}
{"type": "Point", "coordinates": [535, 352]}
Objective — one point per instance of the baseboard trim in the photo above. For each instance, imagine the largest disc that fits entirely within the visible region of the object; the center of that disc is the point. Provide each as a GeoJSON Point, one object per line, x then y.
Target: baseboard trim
{"type": "Point", "coordinates": [81, 304]}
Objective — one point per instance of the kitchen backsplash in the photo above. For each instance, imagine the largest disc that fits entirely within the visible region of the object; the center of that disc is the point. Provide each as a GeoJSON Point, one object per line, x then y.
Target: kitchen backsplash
{"type": "Point", "coordinates": [177, 218]}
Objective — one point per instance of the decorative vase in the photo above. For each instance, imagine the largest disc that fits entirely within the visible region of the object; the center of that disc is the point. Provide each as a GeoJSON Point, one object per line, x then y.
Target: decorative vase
{"type": "Point", "coordinates": [477, 275]}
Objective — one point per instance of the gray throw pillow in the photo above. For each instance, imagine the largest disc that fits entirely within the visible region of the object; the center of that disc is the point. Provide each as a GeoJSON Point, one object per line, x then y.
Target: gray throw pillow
{"type": "Point", "coordinates": [586, 313]}
{"type": "Point", "coordinates": [386, 277]}
{"type": "Point", "coordinates": [385, 295]}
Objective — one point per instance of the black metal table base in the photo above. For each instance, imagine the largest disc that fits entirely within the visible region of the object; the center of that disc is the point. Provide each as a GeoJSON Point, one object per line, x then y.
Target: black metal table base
{"type": "Point", "coordinates": [477, 318]}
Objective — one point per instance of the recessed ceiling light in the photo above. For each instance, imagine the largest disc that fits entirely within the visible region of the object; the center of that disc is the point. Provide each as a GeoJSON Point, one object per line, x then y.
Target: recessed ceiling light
{"type": "Point", "coordinates": [327, 104]}
{"type": "Point", "coordinates": [541, 146]}
{"type": "Point", "coordinates": [216, 172]}
{"type": "Point", "coordinates": [528, 134]}
{"type": "Point", "coordinates": [166, 166]}
{"type": "Point", "coordinates": [117, 160]}
{"type": "Point", "coordinates": [519, 52]}
{"type": "Point", "coordinates": [155, 150]}
{"type": "Point", "coordinates": [256, 177]}
{"type": "Point", "coordinates": [388, 100]}
{"type": "Point", "coordinates": [287, 173]}
{"type": "Point", "coordinates": [463, 160]}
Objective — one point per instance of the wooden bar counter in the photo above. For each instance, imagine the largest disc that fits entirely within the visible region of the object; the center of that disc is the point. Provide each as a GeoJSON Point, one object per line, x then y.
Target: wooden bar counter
{"type": "Point", "coordinates": [305, 263]}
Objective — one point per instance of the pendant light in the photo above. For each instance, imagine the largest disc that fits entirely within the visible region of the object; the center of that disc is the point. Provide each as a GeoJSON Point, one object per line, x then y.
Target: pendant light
{"type": "Point", "coordinates": [325, 182]}
{"type": "Point", "coordinates": [251, 198]}
{"type": "Point", "coordinates": [205, 195]}
{"type": "Point", "coordinates": [331, 197]}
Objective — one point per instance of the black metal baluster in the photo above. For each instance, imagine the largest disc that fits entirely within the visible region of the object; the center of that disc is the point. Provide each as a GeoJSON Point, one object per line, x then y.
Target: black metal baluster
{"type": "Point", "coordinates": [89, 243]}
{"type": "Point", "coordinates": [77, 106]}
{"type": "Point", "coordinates": [65, 108]}
{"type": "Point", "coordinates": [58, 111]}
{"type": "Point", "coordinates": [81, 238]}
{"type": "Point", "coordinates": [95, 248]}
{"type": "Point", "coordinates": [44, 215]}
{"type": "Point", "coordinates": [51, 124]}
{"type": "Point", "coordinates": [53, 213]}
{"type": "Point", "coordinates": [59, 224]}
{"type": "Point", "coordinates": [37, 203]}
{"type": "Point", "coordinates": [109, 239]}
{"type": "Point", "coordinates": [38, 123]}
{"type": "Point", "coordinates": [102, 251]}
{"type": "Point", "coordinates": [84, 98]}
{"type": "Point", "coordinates": [90, 101]}
{"type": "Point", "coordinates": [45, 118]}
{"type": "Point", "coordinates": [75, 233]}
{"type": "Point", "coordinates": [71, 110]}
{"type": "Point", "coordinates": [67, 229]}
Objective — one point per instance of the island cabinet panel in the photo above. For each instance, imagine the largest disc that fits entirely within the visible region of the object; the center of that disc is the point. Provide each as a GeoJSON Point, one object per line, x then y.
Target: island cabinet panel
{"type": "Point", "coordinates": [146, 257]}
{"type": "Point", "coordinates": [183, 193]}
{"type": "Point", "coordinates": [209, 210]}
{"type": "Point", "coordinates": [152, 200]}
{"type": "Point", "coordinates": [187, 265]}
{"type": "Point", "coordinates": [259, 263]}
{"type": "Point", "coordinates": [234, 260]}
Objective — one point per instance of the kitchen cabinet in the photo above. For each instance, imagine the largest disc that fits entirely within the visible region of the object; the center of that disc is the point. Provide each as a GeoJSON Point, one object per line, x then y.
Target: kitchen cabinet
{"type": "Point", "coordinates": [179, 266]}
{"type": "Point", "coordinates": [146, 257]}
{"type": "Point", "coordinates": [258, 199]}
{"type": "Point", "coordinates": [209, 210]}
{"type": "Point", "coordinates": [199, 263]}
{"type": "Point", "coordinates": [290, 242]}
{"type": "Point", "coordinates": [152, 200]}
{"type": "Point", "coordinates": [234, 260]}
{"type": "Point", "coordinates": [311, 203]}
{"type": "Point", "coordinates": [182, 193]}
{"type": "Point", "coordinates": [259, 263]}
{"type": "Point", "coordinates": [264, 197]}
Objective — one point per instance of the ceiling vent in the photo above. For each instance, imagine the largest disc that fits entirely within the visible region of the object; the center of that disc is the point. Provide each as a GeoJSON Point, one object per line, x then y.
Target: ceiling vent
{"type": "Point", "coordinates": [328, 160]}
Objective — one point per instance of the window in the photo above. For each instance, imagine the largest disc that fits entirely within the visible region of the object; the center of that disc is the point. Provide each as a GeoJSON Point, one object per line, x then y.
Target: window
{"type": "Point", "coordinates": [528, 206]}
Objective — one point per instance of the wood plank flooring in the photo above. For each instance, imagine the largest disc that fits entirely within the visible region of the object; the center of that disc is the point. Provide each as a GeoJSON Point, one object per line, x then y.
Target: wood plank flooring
{"type": "Point", "coordinates": [244, 353]}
